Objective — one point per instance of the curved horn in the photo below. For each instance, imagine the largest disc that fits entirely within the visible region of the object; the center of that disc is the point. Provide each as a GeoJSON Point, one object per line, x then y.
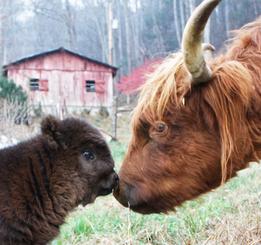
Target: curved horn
{"type": "Point", "coordinates": [192, 42]}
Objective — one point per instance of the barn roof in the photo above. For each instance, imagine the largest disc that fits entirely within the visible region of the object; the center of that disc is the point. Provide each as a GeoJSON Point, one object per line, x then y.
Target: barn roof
{"type": "Point", "coordinates": [59, 50]}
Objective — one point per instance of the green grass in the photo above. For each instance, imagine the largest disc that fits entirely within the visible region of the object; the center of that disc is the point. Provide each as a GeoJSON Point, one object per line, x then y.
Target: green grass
{"type": "Point", "coordinates": [216, 217]}
{"type": "Point", "coordinates": [117, 149]}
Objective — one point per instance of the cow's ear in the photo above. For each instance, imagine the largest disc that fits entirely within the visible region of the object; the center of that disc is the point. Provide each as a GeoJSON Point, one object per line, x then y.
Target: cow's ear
{"type": "Point", "coordinates": [50, 127]}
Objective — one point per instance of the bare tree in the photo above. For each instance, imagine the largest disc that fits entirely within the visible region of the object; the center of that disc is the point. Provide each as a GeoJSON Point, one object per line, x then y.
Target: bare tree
{"type": "Point", "coordinates": [227, 13]}
{"type": "Point", "coordinates": [127, 35]}
{"type": "Point", "coordinates": [69, 17]}
{"type": "Point", "coordinates": [176, 21]}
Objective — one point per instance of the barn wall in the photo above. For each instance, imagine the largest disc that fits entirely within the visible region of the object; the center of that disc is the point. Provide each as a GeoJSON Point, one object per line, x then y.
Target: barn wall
{"type": "Point", "coordinates": [66, 75]}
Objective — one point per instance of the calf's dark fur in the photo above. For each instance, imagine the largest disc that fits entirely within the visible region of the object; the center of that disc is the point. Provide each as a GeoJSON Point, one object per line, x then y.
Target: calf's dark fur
{"type": "Point", "coordinates": [44, 178]}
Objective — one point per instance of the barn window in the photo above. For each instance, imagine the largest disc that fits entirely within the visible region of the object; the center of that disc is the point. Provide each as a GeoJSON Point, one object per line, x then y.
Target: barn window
{"type": "Point", "coordinates": [90, 86]}
{"type": "Point", "coordinates": [34, 84]}
{"type": "Point", "coordinates": [38, 84]}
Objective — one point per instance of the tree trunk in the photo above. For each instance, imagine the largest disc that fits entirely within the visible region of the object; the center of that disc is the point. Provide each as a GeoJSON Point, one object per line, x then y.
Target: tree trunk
{"type": "Point", "coordinates": [110, 34]}
{"type": "Point", "coordinates": [127, 35]}
{"type": "Point", "coordinates": [120, 49]}
{"type": "Point", "coordinates": [70, 27]}
{"type": "Point", "coordinates": [227, 24]}
{"type": "Point", "coordinates": [176, 21]}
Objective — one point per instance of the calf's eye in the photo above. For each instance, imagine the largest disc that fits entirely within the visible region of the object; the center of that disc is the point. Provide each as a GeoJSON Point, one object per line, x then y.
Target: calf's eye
{"type": "Point", "coordinates": [89, 156]}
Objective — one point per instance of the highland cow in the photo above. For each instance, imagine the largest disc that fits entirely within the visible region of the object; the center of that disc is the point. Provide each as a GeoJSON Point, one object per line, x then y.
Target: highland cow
{"type": "Point", "coordinates": [46, 177]}
{"type": "Point", "coordinates": [196, 123]}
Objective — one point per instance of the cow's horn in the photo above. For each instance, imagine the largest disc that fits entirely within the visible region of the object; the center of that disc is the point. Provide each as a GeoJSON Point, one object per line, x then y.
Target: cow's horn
{"type": "Point", "coordinates": [192, 42]}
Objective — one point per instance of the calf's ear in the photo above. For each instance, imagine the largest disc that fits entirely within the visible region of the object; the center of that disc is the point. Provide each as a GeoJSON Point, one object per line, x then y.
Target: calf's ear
{"type": "Point", "coordinates": [50, 127]}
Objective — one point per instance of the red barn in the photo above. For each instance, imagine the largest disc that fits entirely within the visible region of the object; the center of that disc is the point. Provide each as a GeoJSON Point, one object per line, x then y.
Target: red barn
{"type": "Point", "coordinates": [61, 79]}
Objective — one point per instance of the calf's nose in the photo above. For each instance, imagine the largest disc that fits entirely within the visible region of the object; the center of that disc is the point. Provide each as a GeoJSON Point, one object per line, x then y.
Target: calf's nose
{"type": "Point", "coordinates": [115, 181]}
{"type": "Point", "coordinates": [108, 184]}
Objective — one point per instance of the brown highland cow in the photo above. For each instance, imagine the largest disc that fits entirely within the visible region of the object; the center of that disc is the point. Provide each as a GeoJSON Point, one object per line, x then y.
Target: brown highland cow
{"type": "Point", "coordinates": [44, 178]}
{"type": "Point", "coordinates": [196, 123]}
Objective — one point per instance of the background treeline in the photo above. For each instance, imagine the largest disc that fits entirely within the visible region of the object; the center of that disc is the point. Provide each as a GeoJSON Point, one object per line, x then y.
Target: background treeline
{"type": "Point", "coordinates": [140, 29]}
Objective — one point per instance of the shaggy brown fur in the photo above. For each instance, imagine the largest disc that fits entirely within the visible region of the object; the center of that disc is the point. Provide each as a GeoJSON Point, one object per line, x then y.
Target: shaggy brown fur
{"type": "Point", "coordinates": [187, 140]}
{"type": "Point", "coordinates": [46, 177]}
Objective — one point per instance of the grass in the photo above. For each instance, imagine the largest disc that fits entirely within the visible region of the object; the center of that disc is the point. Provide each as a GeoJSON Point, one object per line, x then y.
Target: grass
{"type": "Point", "coordinates": [229, 215]}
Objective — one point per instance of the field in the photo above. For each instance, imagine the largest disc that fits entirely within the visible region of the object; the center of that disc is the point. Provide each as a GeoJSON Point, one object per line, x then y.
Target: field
{"type": "Point", "coordinates": [228, 215]}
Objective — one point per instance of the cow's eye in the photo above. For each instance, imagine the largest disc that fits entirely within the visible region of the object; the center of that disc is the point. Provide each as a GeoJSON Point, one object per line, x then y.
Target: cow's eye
{"type": "Point", "coordinates": [161, 127]}
{"type": "Point", "coordinates": [89, 156]}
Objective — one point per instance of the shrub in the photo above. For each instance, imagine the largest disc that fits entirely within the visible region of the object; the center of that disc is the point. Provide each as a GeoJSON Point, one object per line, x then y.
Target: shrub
{"type": "Point", "coordinates": [11, 92]}
{"type": "Point", "coordinates": [13, 103]}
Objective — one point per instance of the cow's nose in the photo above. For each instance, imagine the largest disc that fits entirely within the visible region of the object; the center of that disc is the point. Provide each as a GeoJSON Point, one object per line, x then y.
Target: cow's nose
{"type": "Point", "coordinates": [125, 194]}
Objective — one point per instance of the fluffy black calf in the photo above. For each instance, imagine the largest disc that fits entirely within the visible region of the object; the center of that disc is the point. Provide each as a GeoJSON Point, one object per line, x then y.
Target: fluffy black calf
{"type": "Point", "coordinates": [43, 179]}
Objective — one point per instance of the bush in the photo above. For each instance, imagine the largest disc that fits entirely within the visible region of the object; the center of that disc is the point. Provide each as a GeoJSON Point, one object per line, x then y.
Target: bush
{"type": "Point", "coordinates": [13, 103]}
{"type": "Point", "coordinates": [12, 92]}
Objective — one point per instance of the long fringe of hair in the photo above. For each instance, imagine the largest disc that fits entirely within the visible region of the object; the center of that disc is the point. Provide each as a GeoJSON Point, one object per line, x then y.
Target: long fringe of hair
{"type": "Point", "coordinates": [164, 88]}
